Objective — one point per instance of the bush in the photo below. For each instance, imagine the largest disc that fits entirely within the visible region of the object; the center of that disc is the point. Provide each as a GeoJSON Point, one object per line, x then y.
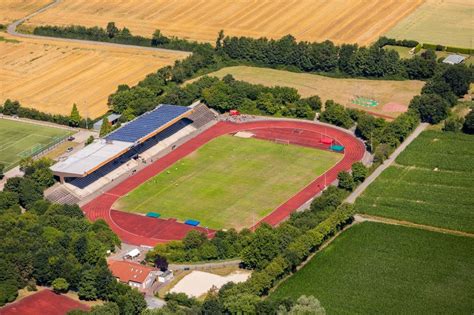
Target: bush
{"type": "Point", "coordinates": [359, 172]}
{"type": "Point", "coordinates": [60, 285]}
{"type": "Point", "coordinates": [468, 126]}
{"type": "Point", "coordinates": [431, 108]}
{"type": "Point", "coordinates": [336, 114]}
{"type": "Point", "coordinates": [453, 124]}
{"type": "Point", "coordinates": [345, 181]}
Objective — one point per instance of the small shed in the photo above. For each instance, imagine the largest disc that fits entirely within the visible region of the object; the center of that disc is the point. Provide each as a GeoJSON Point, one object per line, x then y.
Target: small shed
{"type": "Point", "coordinates": [134, 253]}
{"type": "Point", "coordinates": [165, 276]}
{"type": "Point", "coordinates": [454, 59]}
{"type": "Point", "coordinates": [112, 118]}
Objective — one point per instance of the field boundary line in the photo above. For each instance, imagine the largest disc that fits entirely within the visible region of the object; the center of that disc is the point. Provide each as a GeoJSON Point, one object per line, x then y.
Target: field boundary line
{"type": "Point", "coordinates": [373, 218]}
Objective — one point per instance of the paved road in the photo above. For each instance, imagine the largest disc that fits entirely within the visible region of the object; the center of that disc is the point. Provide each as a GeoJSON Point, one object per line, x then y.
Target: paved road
{"type": "Point", "coordinates": [11, 29]}
{"type": "Point", "coordinates": [360, 189]}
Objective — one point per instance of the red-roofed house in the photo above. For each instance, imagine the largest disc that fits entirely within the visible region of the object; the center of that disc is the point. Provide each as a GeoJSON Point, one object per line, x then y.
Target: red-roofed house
{"type": "Point", "coordinates": [135, 275]}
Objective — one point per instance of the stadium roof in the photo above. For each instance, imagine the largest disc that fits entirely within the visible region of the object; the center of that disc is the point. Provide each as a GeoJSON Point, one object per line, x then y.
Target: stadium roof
{"type": "Point", "coordinates": [454, 59]}
{"type": "Point", "coordinates": [100, 152]}
{"type": "Point", "coordinates": [149, 124]}
{"type": "Point", "coordinates": [91, 157]}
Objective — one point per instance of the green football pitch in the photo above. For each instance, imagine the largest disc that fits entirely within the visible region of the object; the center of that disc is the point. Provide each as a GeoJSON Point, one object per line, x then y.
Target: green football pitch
{"type": "Point", "coordinates": [229, 182]}
{"type": "Point", "coordinates": [20, 139]}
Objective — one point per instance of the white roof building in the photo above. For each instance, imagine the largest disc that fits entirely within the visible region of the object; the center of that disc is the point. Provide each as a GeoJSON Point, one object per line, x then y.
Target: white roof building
{"type": "Point", "coordinates": [454, 59]}
{"type": "Point", "coordinates": [90, 158]}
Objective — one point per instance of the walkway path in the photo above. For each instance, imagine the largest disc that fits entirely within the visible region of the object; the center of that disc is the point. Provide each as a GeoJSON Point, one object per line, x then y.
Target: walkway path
{"type": "Point", "coordinates": [372, 218]}
{"type": "Point", "coordinates": [361, 188]}
{"type": "Point", "coordinates": [12, 31]}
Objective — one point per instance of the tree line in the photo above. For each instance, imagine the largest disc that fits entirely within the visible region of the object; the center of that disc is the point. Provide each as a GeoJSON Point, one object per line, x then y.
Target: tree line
{"type": "Point", "coordinates": [112, 34]}
{"type": "Point", "coordinates": [14, 108]}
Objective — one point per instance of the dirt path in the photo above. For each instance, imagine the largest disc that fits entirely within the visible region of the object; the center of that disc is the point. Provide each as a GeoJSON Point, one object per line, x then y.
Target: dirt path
{"type": "Point", "coordinates": [12, 31]}
{"type": "Point", "coordinates": [371, 218]}
{"type": "Point", "coordinates": [361, 188]}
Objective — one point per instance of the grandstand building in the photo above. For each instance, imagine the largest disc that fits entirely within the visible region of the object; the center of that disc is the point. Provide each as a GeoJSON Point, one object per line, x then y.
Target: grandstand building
{"type": "Point", "coordinates": [126, 149]}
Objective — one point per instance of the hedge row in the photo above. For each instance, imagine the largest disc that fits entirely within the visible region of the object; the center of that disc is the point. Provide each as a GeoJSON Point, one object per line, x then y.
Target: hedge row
{"type": "Point", "coordinates": [262, 281]}
{"type": "Point", "coordinates": [460, 50]}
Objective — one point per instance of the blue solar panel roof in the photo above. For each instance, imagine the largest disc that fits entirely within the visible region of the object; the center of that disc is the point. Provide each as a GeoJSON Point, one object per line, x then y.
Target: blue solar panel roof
{"type": "Point", "coordinates": [147, 123]}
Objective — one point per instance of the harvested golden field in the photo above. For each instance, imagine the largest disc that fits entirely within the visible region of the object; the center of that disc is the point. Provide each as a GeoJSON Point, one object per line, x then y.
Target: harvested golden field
{"type": "Point", "coordinates": [445, 22]}
{"type": "Point", "coordinates": [361, 21]}
{"type": "Point", "coordinates": [52, 75]}
{"type": "Point", "coordinates": [387, 93]}
{"type": "Point", "coordinates": [11, 10]}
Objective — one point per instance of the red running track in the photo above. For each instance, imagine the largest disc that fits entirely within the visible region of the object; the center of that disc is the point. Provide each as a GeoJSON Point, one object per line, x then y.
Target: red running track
{"type": "Point", "coordinates": [142, 230]}
{"type": "Point", "coordinates": [43, 302]}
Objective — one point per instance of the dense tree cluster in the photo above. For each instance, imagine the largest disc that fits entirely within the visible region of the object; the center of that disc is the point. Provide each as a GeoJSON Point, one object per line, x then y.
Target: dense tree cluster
{"type": "Point", "coordinates": [441, 92]}
{"type": "Point", "coordinates": [54, 245]}
{"type": "Point", "coordinates": [350, 60]}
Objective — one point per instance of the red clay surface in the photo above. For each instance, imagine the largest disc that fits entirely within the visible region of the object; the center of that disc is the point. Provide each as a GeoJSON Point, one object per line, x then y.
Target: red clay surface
{"type": "Point", "coordinates": [141, 230]}
{"type": "Point", "coordinates": [42, 303]}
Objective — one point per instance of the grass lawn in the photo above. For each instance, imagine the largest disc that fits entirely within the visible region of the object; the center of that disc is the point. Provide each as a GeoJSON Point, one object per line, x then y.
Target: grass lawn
{"type": "Point", "coordinates": [337, 89]}
{"type": "Point", "coordinates": [375, 268]}
{"type": "Point", "coordinates": [431, 183]}
{"type": "Point", "coordinates": [229, 182]}
{"type": "Point", "coordinates": [447, 22]}
{"type": "Point", "coordinates": [19, 137]}
{"type": "Point", "coordinates": [404, 52]}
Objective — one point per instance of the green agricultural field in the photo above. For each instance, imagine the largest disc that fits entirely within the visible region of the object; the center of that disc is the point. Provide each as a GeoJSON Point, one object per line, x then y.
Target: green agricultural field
{"type": "Point", "coordinates": [18, 139]}
{"type": "Point", "coordinates": [375, 268]}
{"type": "Point", "coordinates": [446, 22]}
{"type": "Point", "coordinates": [340, 90]}
{"type": "Point", "coordinates": [229, 182]}
{"type": "Point", "coordinates": [431, 183]}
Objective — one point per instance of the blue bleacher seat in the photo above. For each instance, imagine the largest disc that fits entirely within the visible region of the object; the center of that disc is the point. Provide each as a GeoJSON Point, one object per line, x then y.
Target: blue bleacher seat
{"type": "Point", "coordinates": [147, 123]}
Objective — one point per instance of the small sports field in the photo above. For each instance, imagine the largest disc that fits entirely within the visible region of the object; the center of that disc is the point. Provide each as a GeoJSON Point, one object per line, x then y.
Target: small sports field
{"type": "Point", "coordinates": [20, 139]}
{"type": "Point", "coordinates": [375, 268]}
{"type": "Point", "coordinates": [229, 182]}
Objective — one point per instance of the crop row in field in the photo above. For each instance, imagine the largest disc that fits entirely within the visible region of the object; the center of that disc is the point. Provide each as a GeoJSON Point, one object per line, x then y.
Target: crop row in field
{"type": "Point", "coordinates": [445, 151]}
{"type": "Point", "coordinates": [11, 10]}
{"type": "Point", "coordinates": [51, 75]}
{"type": "Point", "coordinates": [313, 20]}
{"type": "Point", "coordinates": [431, 184]}
{"type": "Point", "coordinates": [374, 268]}
{"type": "Point", "coordinates": [446, 22]}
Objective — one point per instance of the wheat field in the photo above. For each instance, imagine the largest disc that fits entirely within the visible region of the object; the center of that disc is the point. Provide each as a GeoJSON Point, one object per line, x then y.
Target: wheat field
{"type": "Point", "coordinates": [342, 21]}
{"type": "Point", "coordinates": [11, 10]}
{"type": "Point", "coordinates": [52, 75]}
